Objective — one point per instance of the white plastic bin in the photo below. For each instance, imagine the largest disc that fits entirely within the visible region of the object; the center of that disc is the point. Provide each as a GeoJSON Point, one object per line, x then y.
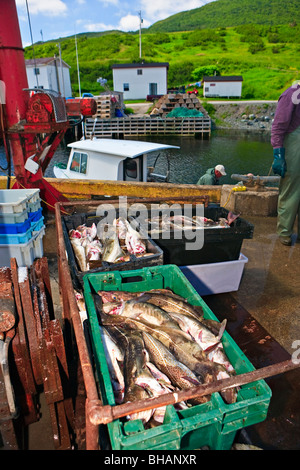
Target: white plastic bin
{"type": "Point", "coordinates": [18, 200]}
{"type": "Point", "coordinates": [216, 278]}
{"type": "Point", "coordinates": [25, 253]}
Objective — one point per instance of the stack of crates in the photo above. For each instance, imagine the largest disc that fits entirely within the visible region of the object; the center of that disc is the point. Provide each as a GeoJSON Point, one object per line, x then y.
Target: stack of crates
{"type": "Point", "coordinates": [21, 226]}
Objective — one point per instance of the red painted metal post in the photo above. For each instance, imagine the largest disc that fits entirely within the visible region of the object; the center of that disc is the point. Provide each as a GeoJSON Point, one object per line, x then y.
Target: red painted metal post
{"type": "Point", "coordinates": [14, 78]}
{"type": "Point", "coordinates": [16, 100]}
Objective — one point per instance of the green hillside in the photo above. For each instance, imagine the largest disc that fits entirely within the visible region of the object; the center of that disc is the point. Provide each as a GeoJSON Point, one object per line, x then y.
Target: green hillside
{"type": "Point", "coordinates": [266, 55]}
{"type": "Point", "coordinates": [223, 13]}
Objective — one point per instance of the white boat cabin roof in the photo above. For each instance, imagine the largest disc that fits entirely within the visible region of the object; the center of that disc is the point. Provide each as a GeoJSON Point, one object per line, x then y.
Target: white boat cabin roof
{"type": "Point", "coordinates": [122, 148]}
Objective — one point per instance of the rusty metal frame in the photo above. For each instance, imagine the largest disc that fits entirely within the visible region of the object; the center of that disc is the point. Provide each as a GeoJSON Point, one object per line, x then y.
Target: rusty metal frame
{"type": "Point", "coordinates": [70, 314]}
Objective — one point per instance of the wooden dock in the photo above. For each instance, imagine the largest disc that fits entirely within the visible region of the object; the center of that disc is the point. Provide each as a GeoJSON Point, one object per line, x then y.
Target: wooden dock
{"type": "Point", "coordinates": [134, 126]}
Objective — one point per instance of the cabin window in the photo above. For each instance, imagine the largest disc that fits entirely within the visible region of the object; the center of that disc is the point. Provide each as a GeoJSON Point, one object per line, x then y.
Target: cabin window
{"type": "Point", "coordinates": [131, 168]}
{"type": "Point", "coordinates": [36, 71]}
{"type": "Point", "coordinates": [140, 71]}
{"type": "Point", "coordinates": [125, 86]}
{"type": "Point", "coordinates": [79, 162]}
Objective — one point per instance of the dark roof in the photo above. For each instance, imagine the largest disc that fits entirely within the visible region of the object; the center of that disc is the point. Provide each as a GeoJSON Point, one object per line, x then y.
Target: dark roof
{"type": "Point", "coordinates": [44, 61]}
{"type": "Point", "coordinates": [140, 65]}
{"type": "Point", "coordinates": [223, 78]}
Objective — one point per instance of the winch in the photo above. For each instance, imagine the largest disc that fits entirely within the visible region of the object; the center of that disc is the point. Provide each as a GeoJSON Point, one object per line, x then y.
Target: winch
{"type": "Point", "coordinates": [257, 183]}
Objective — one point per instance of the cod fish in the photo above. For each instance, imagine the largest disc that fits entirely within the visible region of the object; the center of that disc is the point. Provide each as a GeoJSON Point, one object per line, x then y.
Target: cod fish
{"type": "Point", "coordinates": [150, 313]}
{"type": "Point", "coordinates": [198, 331]}
{"type": "Point", "coordinates": [137, 309]}
{"type": "Point", "coordinates": [93, 250]}
{"type": "Point", "coordinates": [171, 303]}
{"type": "Point", "coordinates": [112, 251]}
{"type": "Point", "coordinates": [116, 296]}
{"type": "Point", "coordinates": [82, 231]}
{"type": "Point", "coordinates": [219, 356]}
{"type": "Point", "coordinates": [79, 251]}
{"type": "Point", "coordinates": [135, 358]}
{"type": "Point", "coordinates": [179, 343]}
{"type": "Point", "coordinates": [114, 357]}
{"type": "Point", "coordinates": [203, 221]}
{"type": "Point", "coordinates": [180, 375]}
{"type": "Point", "coordinates": [133, 240]}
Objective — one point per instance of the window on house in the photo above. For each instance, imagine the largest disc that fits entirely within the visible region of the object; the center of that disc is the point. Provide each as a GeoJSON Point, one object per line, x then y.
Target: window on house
{"type": "Point", "coordinates": [79, 162]}
{"type": "Point", "coordinates": [36, 71]}
{"type": "Point", "coordinates": [140, 71]}
{"type": "Point", "coordinates": [125, 86]}
{"type": "Point", "coordinates": [206, 88]}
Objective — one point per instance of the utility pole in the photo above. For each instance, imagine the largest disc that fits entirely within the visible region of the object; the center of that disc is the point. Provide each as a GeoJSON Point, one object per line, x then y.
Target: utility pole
{"type": "Point", "coordinates": [141, 21]}
{"type": "Point", "coordinates": [78, 72]}
{"type": "Point", "coordinates": [61, 71]}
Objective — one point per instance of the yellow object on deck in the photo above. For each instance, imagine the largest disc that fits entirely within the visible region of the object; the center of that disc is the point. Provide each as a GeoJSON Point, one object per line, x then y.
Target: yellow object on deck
{"type": "Point", "coordinates": [82, 189]}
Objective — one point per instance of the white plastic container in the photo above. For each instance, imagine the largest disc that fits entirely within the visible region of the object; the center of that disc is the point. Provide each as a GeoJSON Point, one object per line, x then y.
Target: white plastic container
{"type": "Point", "coordinates": [25, 253]}
{"type": "Point", "coordinates": [18, 200]}
{"type": "Point", "coordinates": [216, 278]}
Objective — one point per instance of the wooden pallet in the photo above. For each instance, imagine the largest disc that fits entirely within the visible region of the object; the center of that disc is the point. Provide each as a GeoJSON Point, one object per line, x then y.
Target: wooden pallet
{"type": "Point", "coordinates": [149, 126]}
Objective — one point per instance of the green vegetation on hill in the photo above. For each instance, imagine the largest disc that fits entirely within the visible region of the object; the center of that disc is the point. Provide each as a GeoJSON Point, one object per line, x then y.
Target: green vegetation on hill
{"type": "Point", "coordinates": [224, 13]}
{"type": "Point", "coordinates": [265, 53]}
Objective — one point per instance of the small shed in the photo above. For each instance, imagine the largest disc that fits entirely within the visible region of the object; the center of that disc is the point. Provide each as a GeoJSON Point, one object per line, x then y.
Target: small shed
{"type": "Point", "coordinates": [49, 73]}
{"type": "Point", "coordinates": [139, 80]}
{"type": "Point", "coordinates": [222, 86]}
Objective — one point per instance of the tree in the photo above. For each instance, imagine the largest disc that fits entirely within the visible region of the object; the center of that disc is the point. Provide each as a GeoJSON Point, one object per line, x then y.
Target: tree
{"type": "Point", "coordinates": [205, 70]}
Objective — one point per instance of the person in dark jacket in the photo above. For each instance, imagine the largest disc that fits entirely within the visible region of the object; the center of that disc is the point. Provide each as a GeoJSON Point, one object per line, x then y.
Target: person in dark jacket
{"type": "Point", "coordinates": [285, 140]}
{"type": "Point", "coordinates": [212, 175]}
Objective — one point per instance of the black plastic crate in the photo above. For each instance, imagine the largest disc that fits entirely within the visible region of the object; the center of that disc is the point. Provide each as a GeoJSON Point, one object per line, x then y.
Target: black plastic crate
{"type": "Point", "coordinates": [220, 244]}
{"type": "Point", "coordinates": [154, 258]}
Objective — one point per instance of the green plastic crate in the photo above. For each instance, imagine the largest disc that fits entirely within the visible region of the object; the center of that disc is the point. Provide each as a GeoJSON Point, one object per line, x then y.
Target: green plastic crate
{"type": "Point", "coordinates": [213, 424]}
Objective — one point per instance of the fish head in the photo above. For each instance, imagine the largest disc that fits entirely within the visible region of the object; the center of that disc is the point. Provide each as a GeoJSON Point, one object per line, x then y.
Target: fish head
{"type": "Point", "coordinates": [113, 308]}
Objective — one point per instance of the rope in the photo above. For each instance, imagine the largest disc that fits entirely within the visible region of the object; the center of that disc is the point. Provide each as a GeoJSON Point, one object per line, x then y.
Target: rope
{"type": "Point", "coordinates": [228, 198]}
{"type": "Point", "coordinates": [270, 170]}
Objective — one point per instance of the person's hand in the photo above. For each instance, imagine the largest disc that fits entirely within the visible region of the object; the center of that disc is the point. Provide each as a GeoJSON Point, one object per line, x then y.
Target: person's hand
{"type": "Point", "coordinates": [279, 163]}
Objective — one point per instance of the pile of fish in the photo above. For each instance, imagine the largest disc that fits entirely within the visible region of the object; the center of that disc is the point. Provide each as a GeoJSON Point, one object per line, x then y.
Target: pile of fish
{"type": "Point", "coordinates": [112, 243]}
{"type": "Point", "coordinates": [161, 223]}
{"type": "Point", "coordinates": [156, 342]}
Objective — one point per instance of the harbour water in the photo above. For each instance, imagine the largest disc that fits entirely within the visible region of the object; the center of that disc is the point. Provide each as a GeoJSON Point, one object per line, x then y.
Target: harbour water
{"type": "Point", "coordinates": [239, 151]}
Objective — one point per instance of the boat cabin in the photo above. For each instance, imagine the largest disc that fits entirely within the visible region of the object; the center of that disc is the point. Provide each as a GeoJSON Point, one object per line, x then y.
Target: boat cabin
{"type": "Point", "coordinates": [109, 159]}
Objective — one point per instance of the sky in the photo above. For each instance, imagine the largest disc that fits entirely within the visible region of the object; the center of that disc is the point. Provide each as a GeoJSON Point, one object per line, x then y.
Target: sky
{"type": "Point", "coordinates": [52, 19]}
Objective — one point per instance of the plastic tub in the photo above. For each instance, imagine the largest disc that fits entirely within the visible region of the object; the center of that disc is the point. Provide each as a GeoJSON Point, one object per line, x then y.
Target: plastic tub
{"type": "Point", "coordinates": [18, 200]}
{"type": "Point", "coordinates": [25, 253]}
{"type": "Point", "coordinates": [23, 237]}
{"type": "Point", "coordinates": [216, 278]}
{"type": "Point", "coordinates": [212, 424]}
{"type": "Point", "coordinates": [14, 228]}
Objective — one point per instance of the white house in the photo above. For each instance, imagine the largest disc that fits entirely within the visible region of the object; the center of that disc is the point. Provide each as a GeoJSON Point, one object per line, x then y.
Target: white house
{"type": "Point", "coordinates": [49, 73]}
{"type": "Point", "coordinates": [222, 86]}
{"type": "Point", "coordinates": [137, 81]}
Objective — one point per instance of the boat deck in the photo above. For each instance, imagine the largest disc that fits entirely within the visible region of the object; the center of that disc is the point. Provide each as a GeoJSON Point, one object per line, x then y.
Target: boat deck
{"type": "Point", "coordinates": [263, 318]}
